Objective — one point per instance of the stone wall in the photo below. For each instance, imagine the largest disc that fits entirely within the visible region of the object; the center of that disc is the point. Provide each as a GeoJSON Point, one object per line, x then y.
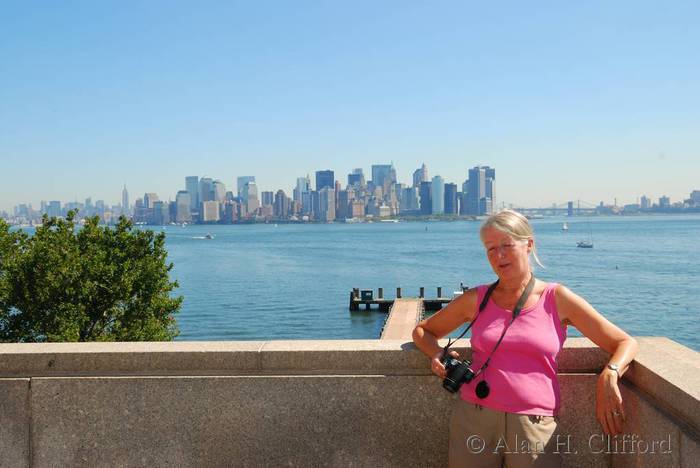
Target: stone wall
{"type": "Point", "coordinates": [301, 403]}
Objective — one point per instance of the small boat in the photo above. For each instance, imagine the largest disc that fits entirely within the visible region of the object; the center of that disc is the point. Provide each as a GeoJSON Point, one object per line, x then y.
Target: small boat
{"type": "Point", "coordinates": [584, 244]}
{"type": "Point", "coordinates": [209, 236]}
{"type": "Point", "coordinates": [565, 227]}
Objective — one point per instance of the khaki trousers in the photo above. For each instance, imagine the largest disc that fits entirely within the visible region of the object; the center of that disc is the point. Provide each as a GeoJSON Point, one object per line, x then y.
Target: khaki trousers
{"type": "Point", "coordinates": [482, 437]}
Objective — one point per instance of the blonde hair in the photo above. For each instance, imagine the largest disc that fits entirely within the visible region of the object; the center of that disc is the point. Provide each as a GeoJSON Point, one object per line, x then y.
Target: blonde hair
{"type": "Point", "coordinates": [515, 225]}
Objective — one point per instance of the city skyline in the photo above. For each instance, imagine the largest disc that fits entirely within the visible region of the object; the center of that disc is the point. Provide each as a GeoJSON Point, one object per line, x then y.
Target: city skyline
{"type": "Point", "coordinates": [591, 101]}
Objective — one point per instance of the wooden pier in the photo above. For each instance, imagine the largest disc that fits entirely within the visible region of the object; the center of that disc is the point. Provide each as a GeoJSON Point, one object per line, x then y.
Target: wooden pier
{"type": "Point", "coordinates": [365, 297]}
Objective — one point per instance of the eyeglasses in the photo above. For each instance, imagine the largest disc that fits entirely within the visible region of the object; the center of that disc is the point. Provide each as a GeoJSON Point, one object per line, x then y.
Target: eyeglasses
{"type": "Point", "coordinates": [505, 247]}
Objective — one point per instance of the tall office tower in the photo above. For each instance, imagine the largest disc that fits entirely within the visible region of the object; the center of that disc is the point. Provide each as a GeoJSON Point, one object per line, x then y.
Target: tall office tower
{"type": "Point", "coordinates": [451, 199]}
{"type": "Point", "coordinates": [303, 185]}
{"type": "Point", "coordinates": [326, 204]}
{"type": "Point", "coordinates": [250, 196]}
{"type": "Point", "coordinates": [210, 211]}
{"type": "Point", "coordinates": [695, 196]}
{"type": "Point", "coordinates": [192, 187]}
{"type": "Point", "coordinates": [426, 203]}
{"type": "Point", "coordinates": [241, 181]}
{"type": "Point", "coordinates": [306, 203]}
{"type": "Point", "coordinates": [343, 204]}
{"type": "Point", "coordinates": [481, 190]}
{"type": "Point", "coordinates": [380, 173]}
{"type": "Point", "coordinates": [645, 202]}
{"type": "Point", "coordinates": [125, 202]}
{"type": "Point", "coordinates": [664, 202]}
{"type": "Point", "coordinates": [267, 198]}
{"type": "Point", "coordinates": [206, 189]}
{"type": "Point", "coordinates": [161, 213]}
{"type": "Point", "coordinates": [325, 179]}
{"type": "Point", "coordinates": [356, 178]}
{"type": "Point", "coordinates": [420, 175]}
{"type": "Point", "coordinates": [437, 195]}
{"type": "Point", "coordinates": [183, 204]}
{"type": "Point", "coordinates": [281, 205]}
{"type": "Point", "coordinates": [410, 199]}
{"type": "Point", "coordinates": [149, 199]}
{"type": "Point", "coordinates": [219, 190]}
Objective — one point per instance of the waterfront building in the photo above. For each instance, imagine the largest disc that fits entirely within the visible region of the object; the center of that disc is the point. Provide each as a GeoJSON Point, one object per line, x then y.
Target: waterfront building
{"type": "Point", "coordinates": [409, 200]}
{"type": "Point", "coordinates": [695, 197]}
{"type": "Point", "coordinates": [420, 175]}
{"type": "Point", "coordinates": [357, 209]}
{"type": "Point", "coordinates": [161, 213]}
{"type": "Point", "coordinates": [343, 204]}
{"type": "Point", "coordinates": [303, 186]}
{"type": "Point", "coordinates": [480, 190]}
{"type": "Point", "coordinates": [206, 189]}
{"type": "Point", "coordinates": [437, 195]}
{"type": "Point", "coordinates": [281, 205]}
{"type": "Point", "coordinates": [183, 204]}
{"type": "Point", "coordinates": [210, 211]}
{"type": "Point", "coordinates": [426, 203]}
{"type": "Point", "coordinates": [219, 191]}
{"type": "Point", "coordinates": [241, 181]}
{"type": "Point", "coordinates": [356, 179]}
{"type": "Point", "coordinates": [267, 198]}
{"type": "Point", "coordinates": [664, 202]}
{"type": "Point", "coordinates": [125, 201]}
{"type": "Point", "coordinates": [192, 187]}
{"type": "Point", "coordinates": [450, 199]}
{"type": "Point", "coordinates": [54, 208]}
{"type": "Point", "coordinates": [250, 196]}
{"type": "Point", "coordinates": [383, 175]}
{"type": "Point", "coordinates": [149, 200]}
{"type": "Point", "coordinates": [645, 202]}
{"type": "Point", "coordinates": [326, 202]}
{"type": "Point", "coordinates": [325, 179]}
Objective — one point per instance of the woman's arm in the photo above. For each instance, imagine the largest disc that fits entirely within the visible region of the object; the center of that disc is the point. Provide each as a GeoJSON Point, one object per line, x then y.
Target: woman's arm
{"type": "Point", "coordinates": [428, 331]}
{"type": "Point", "coordinates": [621, 346]}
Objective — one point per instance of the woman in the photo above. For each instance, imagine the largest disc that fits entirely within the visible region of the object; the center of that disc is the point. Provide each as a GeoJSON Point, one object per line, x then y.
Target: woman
{"type": "Point", "coordinates": [507, 411]}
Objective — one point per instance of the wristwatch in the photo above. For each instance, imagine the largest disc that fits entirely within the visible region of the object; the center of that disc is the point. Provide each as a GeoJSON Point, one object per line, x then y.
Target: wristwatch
{"type": "Point", "coordinates": [614, 367]}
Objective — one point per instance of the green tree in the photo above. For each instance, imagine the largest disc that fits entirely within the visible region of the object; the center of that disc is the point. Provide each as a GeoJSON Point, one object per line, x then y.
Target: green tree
{"type": "Point", "coordinates": [88, 284]}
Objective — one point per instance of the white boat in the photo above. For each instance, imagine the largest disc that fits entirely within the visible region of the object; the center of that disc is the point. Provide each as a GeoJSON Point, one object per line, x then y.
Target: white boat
{"type": "Point", "coordinates": [565, 227]}
{"type": "Point", "coordinates": [209, 236]}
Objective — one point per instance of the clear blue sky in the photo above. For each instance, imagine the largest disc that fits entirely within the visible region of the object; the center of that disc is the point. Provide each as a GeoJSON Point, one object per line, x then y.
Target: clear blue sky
{"type": "Point", "coordinates": [567, 100]}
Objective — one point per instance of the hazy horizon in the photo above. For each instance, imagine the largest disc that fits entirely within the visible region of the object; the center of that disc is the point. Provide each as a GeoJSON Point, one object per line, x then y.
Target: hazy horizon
{"type": "Point", "coordinates": [567, 101]}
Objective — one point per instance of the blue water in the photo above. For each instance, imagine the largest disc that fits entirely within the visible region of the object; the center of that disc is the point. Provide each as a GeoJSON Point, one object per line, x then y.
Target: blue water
{"type": "Point", "coordinates": [254, 282]}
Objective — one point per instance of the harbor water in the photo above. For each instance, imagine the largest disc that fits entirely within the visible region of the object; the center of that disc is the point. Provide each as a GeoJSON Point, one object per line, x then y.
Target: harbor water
{"type": "Point", "coordinates": [292, 281]}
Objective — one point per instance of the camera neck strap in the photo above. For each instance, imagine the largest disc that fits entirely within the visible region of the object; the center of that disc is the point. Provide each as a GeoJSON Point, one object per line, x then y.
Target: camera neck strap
{"type": "Point", "coordinates": [516, 311]}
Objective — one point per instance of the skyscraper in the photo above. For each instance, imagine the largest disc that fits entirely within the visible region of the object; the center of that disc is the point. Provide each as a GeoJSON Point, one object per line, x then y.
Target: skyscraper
{"type": "Point", "coordinates": [437, 194]}
{"type": "Point", "coordinates": [481, 190]}
{"type": "Point", "coordinates": [326, 204]}
{"type": "Point", "coordinates": [303, 185]}
{"type": "Point", "coordinates": [192, 187]}
{"type": "Point", "coordinates": [219, 190]}
{"type": "Point", "coordinates": [420, 175]}
{"type": "Point", "coordinates": [356, 178]}
{"type": "Point", "coordinates": [241, 181]}
{"type": "Point", "coordinates": [183, 207]}
{"type": "Point", "coordinates": [450, 199]}
{"type": "Point", "coordinates": [125, 201]}
{"type": "Point", "coordinates": [380, 173]}
{"type": "Point", "coordinates": [325, 179]}
{"type": "Point", "coordinates": [206, 189]}
{"type": "Point", "coordinates": [250, 196]}
{"type": "Point", "coordinates": [426, 203]}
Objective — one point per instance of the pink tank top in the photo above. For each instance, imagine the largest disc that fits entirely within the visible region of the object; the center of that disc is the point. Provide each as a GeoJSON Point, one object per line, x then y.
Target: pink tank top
{"type": "Point", "coordinates": [522, 374]}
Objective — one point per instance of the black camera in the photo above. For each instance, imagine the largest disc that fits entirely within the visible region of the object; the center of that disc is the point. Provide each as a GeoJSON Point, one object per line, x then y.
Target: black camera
{"type": "Point", "coordinates": [458, 372]}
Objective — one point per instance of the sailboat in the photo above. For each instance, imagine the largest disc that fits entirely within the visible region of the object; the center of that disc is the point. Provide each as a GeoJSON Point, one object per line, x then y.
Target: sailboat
{"type": "Point", "coordinates": [586, 244]}
{"type": "Point", "coordinates": [565, 227]}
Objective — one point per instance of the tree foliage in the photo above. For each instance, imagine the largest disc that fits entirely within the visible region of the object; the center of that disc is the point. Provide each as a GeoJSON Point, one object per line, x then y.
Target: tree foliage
{"type": "Point", "coordinates": [94, 283]}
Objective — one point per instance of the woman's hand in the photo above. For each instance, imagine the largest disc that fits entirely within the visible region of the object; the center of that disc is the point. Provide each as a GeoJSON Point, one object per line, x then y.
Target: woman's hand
{"type": "Point", "coordinates": [437, 367]}
{"type": "Point", "coordinates": [609, 410]}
